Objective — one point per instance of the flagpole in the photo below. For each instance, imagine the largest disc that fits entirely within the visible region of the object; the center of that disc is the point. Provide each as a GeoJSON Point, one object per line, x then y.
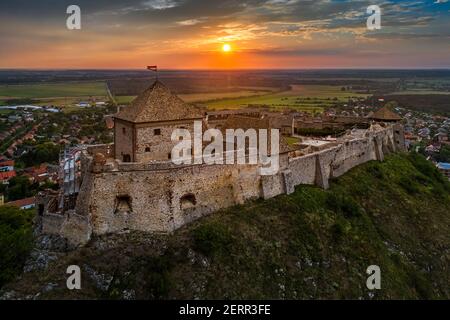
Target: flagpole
{"type": "Point", "coordinates": [155, 69]}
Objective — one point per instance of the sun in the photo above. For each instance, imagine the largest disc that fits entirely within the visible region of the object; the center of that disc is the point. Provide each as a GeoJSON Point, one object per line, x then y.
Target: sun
{"type": "Point", "coordinates": [226, 47]}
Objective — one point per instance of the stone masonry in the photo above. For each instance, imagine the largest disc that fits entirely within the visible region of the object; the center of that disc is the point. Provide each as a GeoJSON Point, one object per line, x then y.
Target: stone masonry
{"type": "Point", "coordinates": [145, 191]}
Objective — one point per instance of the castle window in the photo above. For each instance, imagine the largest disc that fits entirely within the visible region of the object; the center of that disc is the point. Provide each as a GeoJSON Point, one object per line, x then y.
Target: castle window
{"type": "Point", "coordinates": [126, 158]}
{"type": "Point", "coordinates": [169, 156]}
{"type": "Point", "coordinates": [40, 209]}
{"type": "Point", "coordinates": [147, 149]}
{"type": "Point", "coordinates": [124, 131]}
{"type": "Point", "coordinates": [187, 201]}
{"type": "Point", "coordinates": [123, 204]}
{"type": "Point", "coordinates": [157, 132]}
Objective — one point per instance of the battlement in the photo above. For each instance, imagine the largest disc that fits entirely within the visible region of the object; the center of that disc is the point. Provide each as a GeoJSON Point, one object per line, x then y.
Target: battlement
{"type": "Point", "coordinates": [161, 196]}
{"type": "Point", "coordinates": [133, 184]}
{"type": "Point", "coordinates": [107, 150]}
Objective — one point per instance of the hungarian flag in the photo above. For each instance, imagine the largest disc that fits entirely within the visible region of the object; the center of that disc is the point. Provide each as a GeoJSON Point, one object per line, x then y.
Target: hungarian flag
{"type": "Point", "coordinates": [152, 68]}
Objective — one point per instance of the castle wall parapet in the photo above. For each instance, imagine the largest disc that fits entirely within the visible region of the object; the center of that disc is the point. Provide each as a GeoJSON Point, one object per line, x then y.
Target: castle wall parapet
{"type": "Point", "coordinates": [161, 196]}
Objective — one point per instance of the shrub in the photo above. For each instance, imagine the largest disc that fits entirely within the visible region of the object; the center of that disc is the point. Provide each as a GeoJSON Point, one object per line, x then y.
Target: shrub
{"type": "Point", "coordinates": [375, 171]}
{"type": "Point", "coordinates": [212, 239]}
{"type": "Point", "coordinates": [409, 185]}
{"type": "Point", "coordinates": [423, 180]}
{"type": "Point", "coordinates": [337, 231]}
{"type": "Point", "coordinates": [350, 208]}
{"type": "Point", "coordinates": [156, 277]}
{"type": "Point", "coordinates": [424, 166]}
{"type": "Point", "coordinates": [333, 201]}
{"type": "Point", "coordinates": [15, 241]}
{"type": "Point", "coordinates": [343, 204]}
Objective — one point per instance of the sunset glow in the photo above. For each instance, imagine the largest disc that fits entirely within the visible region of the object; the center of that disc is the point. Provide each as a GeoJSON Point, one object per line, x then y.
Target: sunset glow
{"type": "Point", "coordinates": [199, 35]}
{"type": "Point", "coordinates": [226, 47]}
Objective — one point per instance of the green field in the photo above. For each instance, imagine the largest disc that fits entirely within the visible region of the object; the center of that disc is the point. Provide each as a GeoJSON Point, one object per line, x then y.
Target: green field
{"type": "Point", "coordinates": [419, 92]}
{"type": "Point", "coordinates": [312, 98]}
{"type": "Point", "coordinates": [124, 99]}
{"type": "Point", "coordinates": [53, 90]}
{"type": "Point", "coordinates": [213, 96]}
{"type": "Point", "coordinates": [302, 97]}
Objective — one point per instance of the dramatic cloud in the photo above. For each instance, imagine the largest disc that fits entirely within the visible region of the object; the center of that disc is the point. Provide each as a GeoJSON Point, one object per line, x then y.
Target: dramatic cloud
{"type": "Point", "coordinates": [189, 33]}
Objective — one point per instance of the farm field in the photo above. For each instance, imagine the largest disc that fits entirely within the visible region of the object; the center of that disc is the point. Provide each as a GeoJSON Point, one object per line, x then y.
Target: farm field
{"type": "Point", "coordinates": [124, 99]}
{"type": "Point", "coordinates": [208, 97]}
{"type": "Point", "coordinates": [205, 97]}
{"type": "Point", "coordinates": [213, 96]}
{"type": "Point", "coordinates": [303, 97]}
{"type": "Point", "coordinates": [419, 92]}
{"type": "Point", "coordinates": [54, 93]}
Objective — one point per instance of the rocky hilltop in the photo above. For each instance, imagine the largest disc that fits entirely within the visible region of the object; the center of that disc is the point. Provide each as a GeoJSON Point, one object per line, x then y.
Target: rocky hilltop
{"type": "Point", "coordinates": [312, 244]}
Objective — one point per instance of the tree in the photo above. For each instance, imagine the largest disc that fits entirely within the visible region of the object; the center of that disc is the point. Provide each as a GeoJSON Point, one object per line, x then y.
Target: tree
{"type": "Point", "coordinates": [15, 241]}
{"type": "Point", "coordinates": [444, 154]}
{"type": "Point", "coordinates": [45, 152]}
{"type": "Point", "coordinates": [19, 187]}
{"type": "Point", "coordinates": [391, 104]}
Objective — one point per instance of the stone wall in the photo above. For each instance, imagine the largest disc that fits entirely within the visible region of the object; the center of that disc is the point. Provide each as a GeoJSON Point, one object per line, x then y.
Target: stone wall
{"type": "Point", "coordinates": [162, 197]}
{"type": "Point", "coordinates": [151, 146]}
{"type": "Point", "coordinates": [123, 134]}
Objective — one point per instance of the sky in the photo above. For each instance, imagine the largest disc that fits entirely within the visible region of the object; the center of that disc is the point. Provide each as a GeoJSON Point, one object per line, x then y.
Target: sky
{"type": "Point", "coordinates": [190, 34]}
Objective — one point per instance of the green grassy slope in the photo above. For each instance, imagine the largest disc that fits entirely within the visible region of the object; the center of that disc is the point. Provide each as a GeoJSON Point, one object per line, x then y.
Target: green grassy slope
{"type": "Point", "coordinates": [311, 244]}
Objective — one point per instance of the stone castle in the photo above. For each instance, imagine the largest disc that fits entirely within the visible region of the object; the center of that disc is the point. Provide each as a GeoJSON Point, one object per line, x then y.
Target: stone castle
{"type": "Point", "coordinates": [132, 184]}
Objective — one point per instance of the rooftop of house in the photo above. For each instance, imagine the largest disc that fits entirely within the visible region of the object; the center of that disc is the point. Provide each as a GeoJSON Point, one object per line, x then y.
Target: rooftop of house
{"type": "Point", "coordinates": [5, 176]}
{"type": "Point", "coordinates": [385, 114]}
{"type": "Point", "coordinates": [158, 103]}
{"type": "Point", "coordinates": [6, 163]}
{"type": "Point", "coordinates": [444, 165]}
{"type": "Point", "coordinates": [41, 169]}
{"type": "Point", "coordinates": [22, 202]}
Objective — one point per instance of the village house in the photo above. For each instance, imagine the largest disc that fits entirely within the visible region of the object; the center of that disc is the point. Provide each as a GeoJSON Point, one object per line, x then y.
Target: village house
{"type": "Point", "coordinates": [27, 203]}
{"type": "Point", "coordinates": [444, 168]}
{"type": "Point", "coordinates": [6, 176]}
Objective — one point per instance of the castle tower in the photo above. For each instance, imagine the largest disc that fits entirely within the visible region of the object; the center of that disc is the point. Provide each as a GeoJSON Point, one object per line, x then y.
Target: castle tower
{"type": "Point", "coordinates": [385, 115]}
{"type": "Point", "coordinates": [142, 131]}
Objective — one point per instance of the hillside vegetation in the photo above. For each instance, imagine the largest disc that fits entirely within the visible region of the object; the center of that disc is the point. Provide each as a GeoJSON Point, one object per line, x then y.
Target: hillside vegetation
{"type": "Point", "coordinates": [308, 245]}
{"type": "Point", "coordinates": [15, 241]}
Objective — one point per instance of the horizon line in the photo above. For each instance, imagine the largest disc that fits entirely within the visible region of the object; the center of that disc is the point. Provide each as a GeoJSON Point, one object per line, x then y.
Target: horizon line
{"type": "Point", "coordinates": [224, 70]}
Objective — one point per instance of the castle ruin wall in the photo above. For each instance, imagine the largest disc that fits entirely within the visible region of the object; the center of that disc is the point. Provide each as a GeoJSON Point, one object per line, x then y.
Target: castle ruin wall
{"type": "Point", "coordinates": [161, 197]}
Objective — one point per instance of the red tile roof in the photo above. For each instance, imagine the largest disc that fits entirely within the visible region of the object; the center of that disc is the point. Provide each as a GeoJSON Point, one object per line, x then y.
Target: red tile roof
{"type": "Point", "coordinates": [22, 202]}
{"type": "Point", "coordinates": [40, 170]}
{"type": "Point", "coordinates": [6, 163]}
{"type": "Point", "coordinates": [7, 175]}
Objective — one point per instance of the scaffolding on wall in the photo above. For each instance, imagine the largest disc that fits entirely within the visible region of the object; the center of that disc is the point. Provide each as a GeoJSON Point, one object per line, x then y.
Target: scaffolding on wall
{"type": "Point", "coordinates": [69, 176]}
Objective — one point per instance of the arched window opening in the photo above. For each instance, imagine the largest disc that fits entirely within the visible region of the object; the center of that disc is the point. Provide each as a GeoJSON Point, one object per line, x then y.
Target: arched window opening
{"type": "Point", "coordinates": [187, 201]}
{"type": "Point", "coordinates": [126, 158]}
{"type": "Point", "coordinates": [123, 204]}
